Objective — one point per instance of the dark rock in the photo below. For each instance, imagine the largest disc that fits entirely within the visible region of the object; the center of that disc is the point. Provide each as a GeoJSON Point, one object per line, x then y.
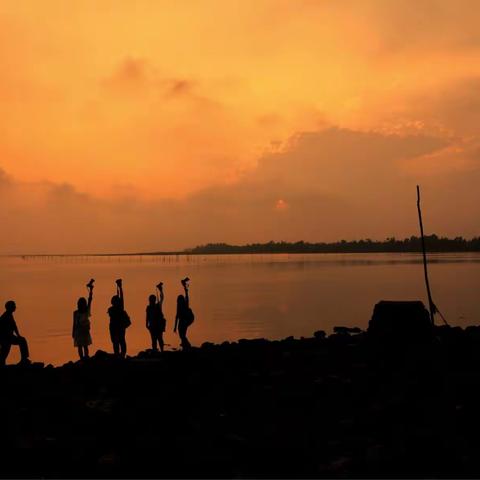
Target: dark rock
{"type": "Point", "coordinates": [341, 330]}
{"type": "Point", "coordinates": [400, 323]}
{"type": "Point", "coordinates": [101, 355]}
{"type": "Point", "coordinates": [257, 342]}
{"type": "Point", "coordinates": [318, 407]}
{"type": "Point", "coordinates": [320, 335]}
{"type": "Point", "coordinates": [347, 330]}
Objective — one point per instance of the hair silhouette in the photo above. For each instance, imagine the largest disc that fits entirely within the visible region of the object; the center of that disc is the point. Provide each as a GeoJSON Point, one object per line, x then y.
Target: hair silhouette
{"type": "Point", "coordinates": [181, 303]}
{"type": "Point", "coordinates": [82, 305]}
{"type": "Point", "coordinates": [10, 306]}
{"type": "Point", "coordinates": [116, 301]}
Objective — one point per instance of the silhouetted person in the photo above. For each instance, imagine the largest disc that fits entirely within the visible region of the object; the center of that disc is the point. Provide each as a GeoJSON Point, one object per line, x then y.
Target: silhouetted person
{"type": "Point", "coordinates": [9, 335]}
{"type": "Point", "coordinates": [81, 323]}
{"type": "Point", "coordinates": [119, 322]}
{"type": "Point", "coordinates": [155, 320]}
{"type": "Point", "coordinates": [184, 317]}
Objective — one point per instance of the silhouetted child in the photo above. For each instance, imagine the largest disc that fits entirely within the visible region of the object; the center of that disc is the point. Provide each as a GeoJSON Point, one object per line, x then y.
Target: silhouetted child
{"type": "Point", "coordinates": [81, 323]}
{"type": "Point", "coordinates": [9, 335]}
{"type": "Point", "coordinates": [155, 320]}
{"type": "Point", "coordinates": [184, 317]}
{"type": "Point", "coordinates": [119, 322]}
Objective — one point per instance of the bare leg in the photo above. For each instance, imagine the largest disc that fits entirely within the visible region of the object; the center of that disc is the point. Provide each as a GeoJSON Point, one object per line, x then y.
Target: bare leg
{"type": "Point", "coordinates": [123, 344]}
{"type": "Point", "coordinates": [22, 343]}
{"type": "Point", "coordinates": [123, 348]}
{"type": "Point", "coordinates": [80, 352]}
{"type": "Point", "coordinates": [183, 336]}
{"type": "Point", "coordinates": [4, 351]}
{"type": "Point", "coordinates": [154, 340]}
{"type": "Point", "coordinates": [115, 338]}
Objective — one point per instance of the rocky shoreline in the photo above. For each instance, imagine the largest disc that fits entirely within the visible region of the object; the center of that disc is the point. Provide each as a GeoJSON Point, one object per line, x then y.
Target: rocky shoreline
{"type": "Point", "coordinates": [326, 406]}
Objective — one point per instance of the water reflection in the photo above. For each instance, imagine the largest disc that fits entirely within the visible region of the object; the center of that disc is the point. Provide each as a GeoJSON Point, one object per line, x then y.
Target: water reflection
{"type": "Point", "coordinates": [233, 296]}
{"type": "Point", "coordinates": [265, 259]}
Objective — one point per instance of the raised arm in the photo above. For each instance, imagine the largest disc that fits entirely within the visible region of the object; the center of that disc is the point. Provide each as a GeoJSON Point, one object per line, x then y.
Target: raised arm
{"type": "Point", "coordinates": [161, 297]}
{"type": "Point", "coordinates": [120, 293]}
{"type": "Point", "coordinates": [90, 298]}
{"type": "Point", "coordinates": [187, 298]}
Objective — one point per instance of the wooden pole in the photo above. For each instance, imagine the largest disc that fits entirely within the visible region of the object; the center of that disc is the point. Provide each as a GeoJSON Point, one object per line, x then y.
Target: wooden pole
{"type": "Point", "coordinates": [431, 305]}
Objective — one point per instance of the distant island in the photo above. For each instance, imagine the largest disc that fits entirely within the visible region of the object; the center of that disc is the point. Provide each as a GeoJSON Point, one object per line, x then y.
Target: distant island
{"type": "Point", "coordinates": [433, 243]}
{"type": "Point", "coordinates": [412, 244]}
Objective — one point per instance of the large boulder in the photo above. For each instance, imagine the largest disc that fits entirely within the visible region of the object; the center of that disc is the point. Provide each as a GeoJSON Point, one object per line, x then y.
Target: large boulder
{"type": "Point", "coordinates": [403, 322]}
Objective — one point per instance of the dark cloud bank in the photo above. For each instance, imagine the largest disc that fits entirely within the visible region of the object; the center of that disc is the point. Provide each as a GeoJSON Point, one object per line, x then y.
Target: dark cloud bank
{"type": "Point", "coordinates": [323, 186]}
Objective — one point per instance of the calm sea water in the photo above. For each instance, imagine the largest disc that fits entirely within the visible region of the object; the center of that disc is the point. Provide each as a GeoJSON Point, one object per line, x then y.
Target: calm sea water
{"type": "Point", "coordinates": [233, 296]}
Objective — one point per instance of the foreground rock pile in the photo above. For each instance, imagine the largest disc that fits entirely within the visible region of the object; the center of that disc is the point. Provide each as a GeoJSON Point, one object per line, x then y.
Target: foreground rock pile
{"type": "Point", "coordinates": [324, 406]}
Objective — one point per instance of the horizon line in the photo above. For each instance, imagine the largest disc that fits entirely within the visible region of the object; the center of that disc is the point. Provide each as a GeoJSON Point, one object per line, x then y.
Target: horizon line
{"type": "Point", "coordinates": [192, 250]}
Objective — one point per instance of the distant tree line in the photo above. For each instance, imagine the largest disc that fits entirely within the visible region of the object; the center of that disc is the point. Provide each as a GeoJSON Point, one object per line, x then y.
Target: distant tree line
{"type": "Point", "coordinates": [413, 244]}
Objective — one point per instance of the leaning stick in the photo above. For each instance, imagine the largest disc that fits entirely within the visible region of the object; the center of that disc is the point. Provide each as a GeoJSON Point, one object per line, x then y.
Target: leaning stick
{"type": "Point", "coordinates": [431, 305]}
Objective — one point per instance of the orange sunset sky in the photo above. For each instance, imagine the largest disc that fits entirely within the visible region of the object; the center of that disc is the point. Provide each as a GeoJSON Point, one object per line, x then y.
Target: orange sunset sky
{"type": "Point", "coordinates": [133, 125]}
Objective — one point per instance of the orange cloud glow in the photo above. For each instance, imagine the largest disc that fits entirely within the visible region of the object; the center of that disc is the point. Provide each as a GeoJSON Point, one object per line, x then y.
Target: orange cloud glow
{"type": "Point", "coordinates": [140, 102]}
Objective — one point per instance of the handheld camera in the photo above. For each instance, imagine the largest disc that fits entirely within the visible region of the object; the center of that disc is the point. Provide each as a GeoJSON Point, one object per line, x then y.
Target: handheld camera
{"type": "Point", "coordinates": [90, 283]}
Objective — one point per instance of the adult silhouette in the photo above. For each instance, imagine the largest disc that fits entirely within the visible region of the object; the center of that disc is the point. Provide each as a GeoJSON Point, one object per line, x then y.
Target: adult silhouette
{"type": "Point", "coordinates": [9, 335]}
{"type": "Point", "coordinates": [184, 317]}
{"type": "Point", "coordinates": [155, 320]}
{"type": "Point", "coordinates": [119, 321]}
{"type": "Point", "coordinates": [81, 323]}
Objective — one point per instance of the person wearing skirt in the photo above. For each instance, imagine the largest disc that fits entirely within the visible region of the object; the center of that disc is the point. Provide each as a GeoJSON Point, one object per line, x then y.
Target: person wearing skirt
{"type": "Point", "coordinates": [81, 324]}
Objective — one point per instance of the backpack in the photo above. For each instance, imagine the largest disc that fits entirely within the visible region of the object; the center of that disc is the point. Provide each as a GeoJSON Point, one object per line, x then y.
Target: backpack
{"type": "Point", "coordinates": [126, 322]}
{"type": "Point", "coordinates": [189, 316]}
